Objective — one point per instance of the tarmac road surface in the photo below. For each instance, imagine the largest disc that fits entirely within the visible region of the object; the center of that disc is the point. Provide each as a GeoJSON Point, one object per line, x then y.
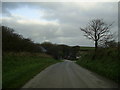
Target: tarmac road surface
{"type": "Point", "coordinates": [68, 74]}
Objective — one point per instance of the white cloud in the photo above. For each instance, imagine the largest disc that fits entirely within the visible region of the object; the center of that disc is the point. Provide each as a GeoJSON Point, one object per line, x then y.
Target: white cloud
{"type": "Point", "coordinates": [59, 22]}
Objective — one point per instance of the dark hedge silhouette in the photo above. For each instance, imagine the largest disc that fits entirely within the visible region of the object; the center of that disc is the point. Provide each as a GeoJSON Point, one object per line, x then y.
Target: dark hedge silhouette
{"type": "Point", "coordinates": [12, 42]}
{"type": "Point", "coordinates": [61, 51]}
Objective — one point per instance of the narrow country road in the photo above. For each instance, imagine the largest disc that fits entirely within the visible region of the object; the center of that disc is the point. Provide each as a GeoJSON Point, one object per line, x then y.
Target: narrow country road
{"type": "Point", "coordinates": [68, 74]}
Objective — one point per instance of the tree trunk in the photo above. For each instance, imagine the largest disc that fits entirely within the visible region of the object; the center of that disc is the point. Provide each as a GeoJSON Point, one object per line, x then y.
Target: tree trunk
{"type": "Point", "coordinates": [96, 45]}
{"type": "Point", "coordinates": [95, 53]}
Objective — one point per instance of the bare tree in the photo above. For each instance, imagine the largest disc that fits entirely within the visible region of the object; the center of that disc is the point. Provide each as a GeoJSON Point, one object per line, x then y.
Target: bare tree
{"type": "Point", "coordinates": [97, 30]}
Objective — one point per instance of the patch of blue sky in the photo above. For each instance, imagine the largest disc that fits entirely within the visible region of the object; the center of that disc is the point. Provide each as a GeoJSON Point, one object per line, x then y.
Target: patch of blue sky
{"type": "Point", "coordinates": [28, 13]}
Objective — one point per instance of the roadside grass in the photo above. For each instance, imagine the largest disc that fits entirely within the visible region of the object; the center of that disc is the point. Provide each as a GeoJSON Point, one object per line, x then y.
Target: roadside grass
{"type": "Point", "coordinates": [20, 67]}
{"type": "Point", "coordinates": [105, 63]}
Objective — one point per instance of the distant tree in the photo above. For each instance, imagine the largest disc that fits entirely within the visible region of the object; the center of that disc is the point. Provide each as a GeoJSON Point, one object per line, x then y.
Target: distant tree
{"type": "Point", "coordinates": [108, 41]}
{"type": "Point", "coordinates": [74, 52]}
{"type": "Point", "coordinates": [65, 50]}
{"type": "Point", "coordinates": [52, 49]}
{"type": "Point", "coordinates": [97, 30]}
{"type": "Point", "coordinates": [111, 44]}
{"type": "Point", "coordinates": [61, 51]}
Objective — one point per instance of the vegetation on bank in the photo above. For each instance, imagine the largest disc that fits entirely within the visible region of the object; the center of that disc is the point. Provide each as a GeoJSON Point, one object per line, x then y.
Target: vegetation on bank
{"type": "Point", "coordinates": [14, 42]}
{"type": "Point", "coordinates": [104, 58]}
{"type": "Point", "coordinates": [22, 58]}
{"type": "Point", "coordinates": [105, 62]}
{"type": "Point", "coordinates": [18, 68]}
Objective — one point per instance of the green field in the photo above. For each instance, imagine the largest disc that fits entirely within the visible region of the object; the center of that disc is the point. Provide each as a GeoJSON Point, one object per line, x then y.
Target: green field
{"type": "Point", "coordinates": [105, 62]}
{"type": "Point", "coordinates": [86, 48]}
{"type": "Point", "coordinates": [83, 47]}
{"type": "Point", "coordinates": [19, 68]}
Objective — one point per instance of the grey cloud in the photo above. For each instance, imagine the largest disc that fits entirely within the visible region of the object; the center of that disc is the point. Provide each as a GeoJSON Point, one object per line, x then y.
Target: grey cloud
{"type": "Point", "coordinates": [6, 6]}
{"type": "Point", "coordinates": [70, 18]}
{"type": "Point", "coordinates": [31, 30]}
{"type": "Point", "coordinates": [71, 13]}
{"type": "Point", "coordinates": [38, 33]}
{"type": "Point", "coordinates": [79, 40]}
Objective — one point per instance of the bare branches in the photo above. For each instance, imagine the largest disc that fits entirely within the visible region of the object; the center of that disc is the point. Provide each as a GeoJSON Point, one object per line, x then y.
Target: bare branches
{"type": "Point", "coordinates": [97, 30]}
{"type": "Point", "coordinates": [88, 33]}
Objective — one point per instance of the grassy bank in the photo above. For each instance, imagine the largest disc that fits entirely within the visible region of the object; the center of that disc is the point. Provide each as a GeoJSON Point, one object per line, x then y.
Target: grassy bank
{"type": "Point", "coordinates": [21, 67]}
{"type": "Point", "coordinates": [105, 62]}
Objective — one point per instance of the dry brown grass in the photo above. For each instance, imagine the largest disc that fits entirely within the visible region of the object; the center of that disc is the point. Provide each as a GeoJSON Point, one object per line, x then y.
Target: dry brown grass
{"type": "Point", "coordinates": [27, 54]}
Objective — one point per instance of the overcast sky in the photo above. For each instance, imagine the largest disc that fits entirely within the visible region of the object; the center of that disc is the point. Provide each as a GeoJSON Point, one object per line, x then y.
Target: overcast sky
{"type": "Point", "coordinates": [58, 22]}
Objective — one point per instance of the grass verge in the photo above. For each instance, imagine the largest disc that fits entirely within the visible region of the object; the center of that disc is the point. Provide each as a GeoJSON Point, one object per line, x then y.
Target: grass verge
{"type": "Point", "coordinates": [19, 68]}
{"type": "Point", "coordinates": [105, 63]}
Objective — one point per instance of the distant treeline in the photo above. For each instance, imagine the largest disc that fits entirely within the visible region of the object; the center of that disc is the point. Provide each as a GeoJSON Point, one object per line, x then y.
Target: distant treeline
{"type": "Point", "coordinates": [13, 42]}
{"type": "Point", "coordinates": [61, 51]}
